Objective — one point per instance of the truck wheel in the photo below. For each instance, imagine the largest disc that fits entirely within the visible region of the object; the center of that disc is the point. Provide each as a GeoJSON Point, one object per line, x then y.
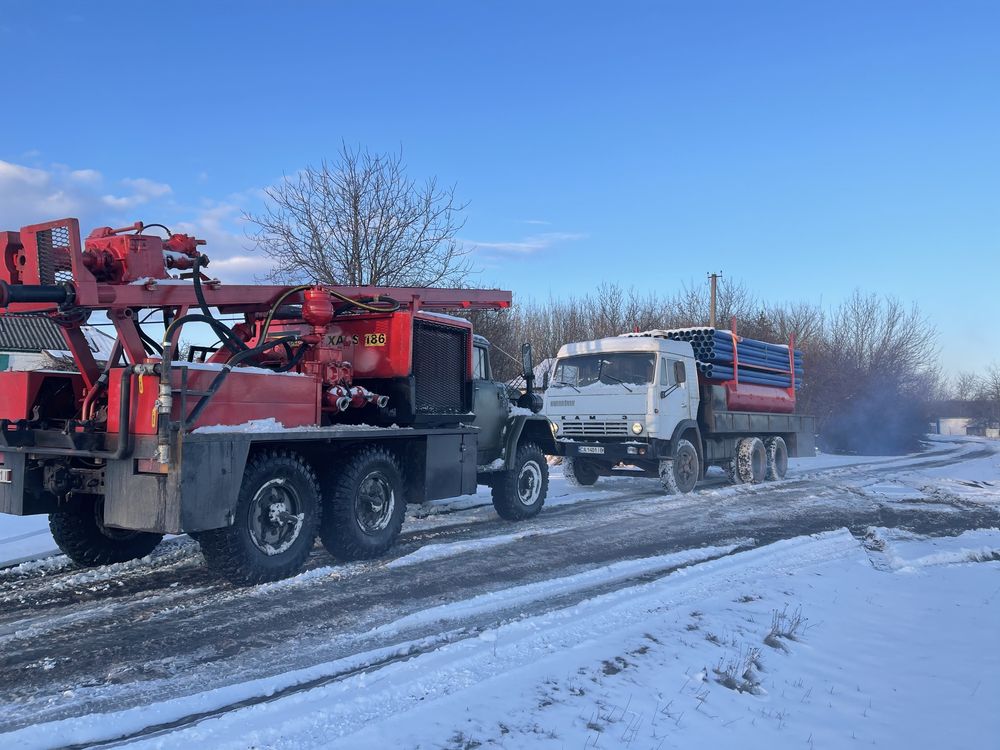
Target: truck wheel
{"type": "Point", "coordinates": [82, 536]}
{"type": "Point", "coordinates": [749, 465]}
{"type": "Point", "coordinates": [274, 525]}
{"type": "Point", "coordinates": [579, 472]}
{"type": "Point", "coordinates": [520, 492]}
{"type": "Point", "coordinates": [777, 457]}
{"type": "Point", "coordinates": [363, 506]}
{"type": "Point", "coordinates": [680, 474]}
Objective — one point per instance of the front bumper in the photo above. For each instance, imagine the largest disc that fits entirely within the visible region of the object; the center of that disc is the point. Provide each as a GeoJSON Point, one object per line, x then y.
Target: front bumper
{"type": "Point", "coordinates": [630, 450]}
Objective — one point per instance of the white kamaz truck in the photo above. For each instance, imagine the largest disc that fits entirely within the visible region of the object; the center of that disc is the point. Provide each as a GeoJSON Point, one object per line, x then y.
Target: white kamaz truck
{"type": "Point", "coordinates": [646, 402]}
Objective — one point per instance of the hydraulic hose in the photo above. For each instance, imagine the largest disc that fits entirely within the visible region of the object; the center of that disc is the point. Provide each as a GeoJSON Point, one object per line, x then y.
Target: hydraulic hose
{"type": "Point", "coordinates": [232, 343]}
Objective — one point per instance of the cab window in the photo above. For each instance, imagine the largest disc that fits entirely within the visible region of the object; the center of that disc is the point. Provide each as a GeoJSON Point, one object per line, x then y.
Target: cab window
{"type": "Point", "coordinates": [480, 363]}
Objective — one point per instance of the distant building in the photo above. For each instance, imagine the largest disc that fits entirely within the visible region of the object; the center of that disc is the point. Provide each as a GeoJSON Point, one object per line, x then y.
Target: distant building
{"type": "Point", "coordinates": [955, 417]}
{"type": "Point", "coordinates": [30, 342]}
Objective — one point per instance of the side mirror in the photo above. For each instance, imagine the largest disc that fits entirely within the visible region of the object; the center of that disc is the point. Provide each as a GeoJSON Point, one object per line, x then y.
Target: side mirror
{"type": "Point", "coordinates": [545, 381]}
{"type": "Point", "coordinates": [680, 372]}
{"type": "Point", "coordinates": [527, 366]}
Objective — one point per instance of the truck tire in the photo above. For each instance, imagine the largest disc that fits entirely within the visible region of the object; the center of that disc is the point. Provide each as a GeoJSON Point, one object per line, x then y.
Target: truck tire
{"type": "Point", "coordinates": [749, 465]}
{"type": "Point", "coordinates": [274, 526]}
{"type": "Point", "coordinates": [363, 505]}
{"type": "Point", "coordinates": [82, 536]}
{"type": "Point", "coordinates": [579, 472]}
{"type": "Point", "coordinates": [519, 493]}
{"type": "Point", "coordinates": [680, 474]}
{"type": "Point", "coordinates": [777, 457]}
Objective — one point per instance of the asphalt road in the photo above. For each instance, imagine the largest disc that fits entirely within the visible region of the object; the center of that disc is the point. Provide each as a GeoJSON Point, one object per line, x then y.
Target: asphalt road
{"type": "Point", "coordinates": [74, 641]}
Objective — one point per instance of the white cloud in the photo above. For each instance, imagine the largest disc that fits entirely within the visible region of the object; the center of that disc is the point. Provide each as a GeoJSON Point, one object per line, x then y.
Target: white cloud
{"type": "Point", "coordinates": [88, 176]}
{"type": "Point", "coordinates": [29, 195]}
{"type": "Point", "coordinates": [146, 187]}
{"type": "Point", "coordinates": [527, 245]}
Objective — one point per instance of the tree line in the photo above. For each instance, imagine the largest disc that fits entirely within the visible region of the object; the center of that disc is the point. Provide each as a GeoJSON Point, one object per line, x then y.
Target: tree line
{"type": "Point", "coordinates": [871, 363]}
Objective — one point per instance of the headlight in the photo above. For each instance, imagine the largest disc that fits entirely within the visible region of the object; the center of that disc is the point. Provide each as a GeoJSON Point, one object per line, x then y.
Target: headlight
{"type": "Point", "coordinates": [554, 427]}
{"type": "Point", "coordinates": [636, 428]}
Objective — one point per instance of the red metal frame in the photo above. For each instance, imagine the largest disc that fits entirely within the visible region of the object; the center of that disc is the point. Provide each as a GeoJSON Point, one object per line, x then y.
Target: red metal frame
{"type": "Point", "coordinates": [123, 271]}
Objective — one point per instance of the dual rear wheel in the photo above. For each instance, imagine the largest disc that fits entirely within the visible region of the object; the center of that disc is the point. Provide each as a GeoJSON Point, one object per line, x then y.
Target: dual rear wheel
{"type": "Point", "coordinates": [758, 459]}
{"type": "Point", "coordinates": [356, 508]}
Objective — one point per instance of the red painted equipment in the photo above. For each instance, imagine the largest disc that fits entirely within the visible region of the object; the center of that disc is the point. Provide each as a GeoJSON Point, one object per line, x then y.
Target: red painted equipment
{"type": "Point", "coordinates": [303, 355]}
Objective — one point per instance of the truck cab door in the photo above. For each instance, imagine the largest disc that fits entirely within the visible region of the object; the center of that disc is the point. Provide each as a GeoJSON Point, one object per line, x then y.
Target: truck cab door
{"type": "Point", "coordinates": [675, 394]}
{"type": "Point", "coordinates": [491, 406]}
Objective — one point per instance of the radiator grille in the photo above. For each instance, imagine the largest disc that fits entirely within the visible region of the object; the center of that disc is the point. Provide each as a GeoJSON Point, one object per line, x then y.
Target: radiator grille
{"type": "Point", "coordinates": [440, 368]}
{"type": "Point", "coordinates": [54, 265]}
{"type": "Point", "coordinates": [594, 428]}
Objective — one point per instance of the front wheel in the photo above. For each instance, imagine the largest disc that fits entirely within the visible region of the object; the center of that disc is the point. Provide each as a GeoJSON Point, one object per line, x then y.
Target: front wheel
{"type": "Point", "coordinates": [519, 493]}
{"type": "Point", "coordinates": [681, 473]}
{"type": "Point", "coordinates": [364, 505]}
{"type": "Point", "coordinates": [579, 472]}
{"type": "Point", "coordinates": [274, 524]}
{"type": "Point", "coordinates": [82, 536]}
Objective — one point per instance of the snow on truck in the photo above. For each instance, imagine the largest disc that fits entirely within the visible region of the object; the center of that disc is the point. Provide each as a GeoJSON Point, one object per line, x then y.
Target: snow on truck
{"type": "Point", "coordinates": [321, 412]}
{"type": "Point", "coordinates": [673, 402]}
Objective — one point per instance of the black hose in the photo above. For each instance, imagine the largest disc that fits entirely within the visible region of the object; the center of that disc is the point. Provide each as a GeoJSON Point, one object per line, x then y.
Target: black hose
{"type": "Point", "coordinates": [150, 343]}
{"type": "Point", "coordinates": [294, 361]}
{"type": "Point", "coordinates": [232, 342]}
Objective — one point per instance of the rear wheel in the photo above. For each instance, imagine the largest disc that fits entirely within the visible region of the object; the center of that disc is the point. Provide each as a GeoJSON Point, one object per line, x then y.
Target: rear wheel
{"type": "Point", "coordinates": [680, 474]}
{"type": "Point", "coordinates": [579, 472]}
{"type": "Point", "coordinates": [276, 516]}
{"type": "Point", "coordinates": [519, 493]}
{"type": "Point", "coordinates": [82, 536]}
{"type": "Point", "coordinates": [749, 465]}
{"type": "Point", "coordinates": [364, 505]}
{"type": "Point", "coordinates": [777, 457]}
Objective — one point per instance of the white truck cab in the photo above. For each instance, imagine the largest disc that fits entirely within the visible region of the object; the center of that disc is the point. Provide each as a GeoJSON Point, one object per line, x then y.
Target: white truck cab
{"type": "Point", "coordinates": [622, 387]}
{"type": "Point", "coordinates": [635, 402]}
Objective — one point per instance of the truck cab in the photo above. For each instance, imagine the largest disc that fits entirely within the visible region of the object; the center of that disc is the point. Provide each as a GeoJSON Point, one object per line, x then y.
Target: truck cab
{"type": "Point", "coordinates": [513, 438]}
{"type": "Point", "coordinates": [621, 401]}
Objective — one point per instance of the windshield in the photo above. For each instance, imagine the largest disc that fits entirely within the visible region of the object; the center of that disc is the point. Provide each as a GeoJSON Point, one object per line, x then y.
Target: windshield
{"type": "Point", "coordinates": [633, 368]}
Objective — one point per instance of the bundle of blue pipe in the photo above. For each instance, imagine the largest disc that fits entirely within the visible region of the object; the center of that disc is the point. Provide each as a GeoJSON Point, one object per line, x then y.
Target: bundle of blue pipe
{"type": "Point", "coordinates": [760, 363]}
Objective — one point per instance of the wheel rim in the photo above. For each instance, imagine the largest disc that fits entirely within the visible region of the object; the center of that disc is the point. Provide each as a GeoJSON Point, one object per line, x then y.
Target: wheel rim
{"type": "Point", "coordinates": [275, 516]}
{"type": "Point", "coordinates": [686, 467]}
{"type": "Point", "coordinates": [529, 483]}
{"type": "Point", "coordinates": [374, 503]}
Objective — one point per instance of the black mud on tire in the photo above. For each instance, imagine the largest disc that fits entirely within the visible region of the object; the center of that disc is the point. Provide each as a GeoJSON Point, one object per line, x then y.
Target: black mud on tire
{"type": "Point", "coordinates": [520, 493]}
{"type": "Point", "coordinates": [777, 458]}
{"type": "Point", "coordinates": [749, 465]}
{"type": "Point", "coordinates": [680, 474]}
{"type": "Point", "coordinates": [363, 505]}
{"type": "Point", "coordinates": [81, 535]}
{"type": "Point", "coordinates": [579, 472]}
{"type": "Point", "coordinates": [277, 513]}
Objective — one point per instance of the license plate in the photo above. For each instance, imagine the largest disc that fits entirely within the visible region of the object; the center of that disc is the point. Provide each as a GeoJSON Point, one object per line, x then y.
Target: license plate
{"type": "Point", "coordinates": [590, 449]}
{"type": "Point", "coordinates": [6, 476]}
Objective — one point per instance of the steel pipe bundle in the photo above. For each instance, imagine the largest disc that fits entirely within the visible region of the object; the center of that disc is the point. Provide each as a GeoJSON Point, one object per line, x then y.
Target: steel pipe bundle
{"type": "Point", "coordinates": [760, 363]}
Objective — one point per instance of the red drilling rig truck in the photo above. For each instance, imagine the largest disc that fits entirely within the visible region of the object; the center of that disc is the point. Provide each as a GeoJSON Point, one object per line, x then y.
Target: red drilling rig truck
{"type": "Point", "coordinates": [320, 410]}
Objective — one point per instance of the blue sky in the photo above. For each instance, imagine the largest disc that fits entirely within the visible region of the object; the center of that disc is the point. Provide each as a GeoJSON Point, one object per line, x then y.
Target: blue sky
{"type": "Point", "coordinates": [805, 148]}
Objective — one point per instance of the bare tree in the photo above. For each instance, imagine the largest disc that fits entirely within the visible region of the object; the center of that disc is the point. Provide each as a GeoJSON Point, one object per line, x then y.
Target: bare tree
{"type": "Point", "coordinates": [361, 220]}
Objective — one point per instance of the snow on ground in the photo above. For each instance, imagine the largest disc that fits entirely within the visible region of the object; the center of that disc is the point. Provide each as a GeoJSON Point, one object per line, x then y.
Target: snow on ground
{"type": "Point", "coordinates": [802, 643]}
{"type": "Point", "coordinates": [25, 538]}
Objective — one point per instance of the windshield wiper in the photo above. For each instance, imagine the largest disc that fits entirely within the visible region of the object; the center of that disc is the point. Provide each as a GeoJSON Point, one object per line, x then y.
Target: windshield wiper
{"type": "Point", "coordinates": [563, 382]}
{"type": "Point", "coordinates": [619, 380]}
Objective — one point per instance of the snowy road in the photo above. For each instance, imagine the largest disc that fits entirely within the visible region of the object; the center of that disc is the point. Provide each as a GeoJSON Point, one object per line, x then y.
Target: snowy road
{"type": "Point", "coordinates": [163, 642]}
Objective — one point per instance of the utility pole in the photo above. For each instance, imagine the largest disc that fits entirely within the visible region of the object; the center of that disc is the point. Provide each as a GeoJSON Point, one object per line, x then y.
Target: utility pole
{"type": "Point", "coordinates": [713, 279]}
